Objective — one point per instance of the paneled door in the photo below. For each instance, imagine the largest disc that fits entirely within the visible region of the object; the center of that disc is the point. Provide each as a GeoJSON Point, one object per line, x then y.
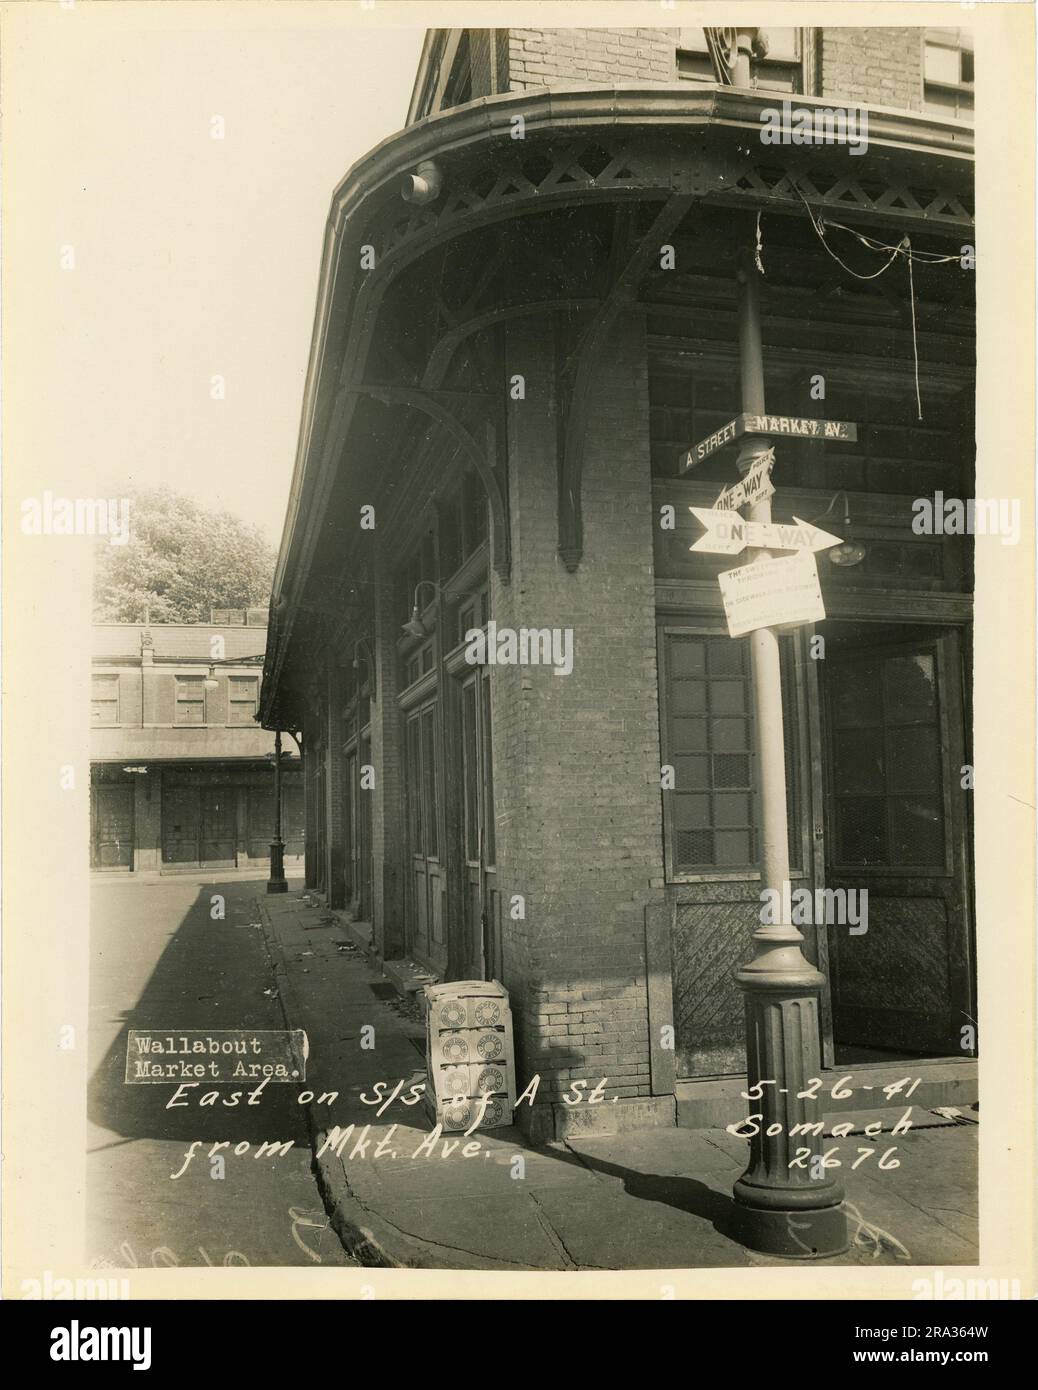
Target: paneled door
{"type": "Point", "coordinates": [897, 828]}
{"type": "Point", "coordinates": [180, 824]}
{"type": "Point", "coordinates": [426, 927]}
{"type": "Point", "coordinates": [477, 772]}
{"type": "Point", "coordinates": [111, 843]}
{"type": "Point", "coordinates": [219, 827]}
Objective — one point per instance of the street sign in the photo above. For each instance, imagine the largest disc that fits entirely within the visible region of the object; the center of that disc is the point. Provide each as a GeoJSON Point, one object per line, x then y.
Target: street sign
{"type": "Point", "coordinates": [725, 435]}
{"type": "Point", "coordinates": [772, 593]}
{"type": "Point", "coordinates": [790, 426]}
{"type": "Point", "coordinates": [754, 486]}
{"type": "Point", "coordinates": [842, 431]}
{"type": "Point", "coordinates": [727, 533]}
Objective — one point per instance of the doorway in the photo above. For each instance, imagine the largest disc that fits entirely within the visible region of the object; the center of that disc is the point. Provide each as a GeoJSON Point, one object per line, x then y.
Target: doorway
{"type": "Point", "coordinates": [482, 944]}
{"type": "Point", "coordinates": [111, 819]}
{"type": "Point", "coordinates": [426, 937]}
{"type": "Point", "coordinates": [897, 827]}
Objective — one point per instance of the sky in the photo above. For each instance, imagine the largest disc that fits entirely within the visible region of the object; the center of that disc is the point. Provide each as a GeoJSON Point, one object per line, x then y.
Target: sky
{"type": "Point", "coordinates": [193, 257]}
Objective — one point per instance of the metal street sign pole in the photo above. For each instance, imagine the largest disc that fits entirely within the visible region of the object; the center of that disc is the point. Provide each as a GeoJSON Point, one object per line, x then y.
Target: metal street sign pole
{"type": "Point", "coordinates": [277, 883]}
{"type": "Point", "coordinates": [782, 1210]}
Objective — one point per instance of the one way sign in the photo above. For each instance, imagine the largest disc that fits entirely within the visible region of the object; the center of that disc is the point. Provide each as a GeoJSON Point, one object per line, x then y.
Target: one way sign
{"type": "Point", "coordinates": [728, 533]}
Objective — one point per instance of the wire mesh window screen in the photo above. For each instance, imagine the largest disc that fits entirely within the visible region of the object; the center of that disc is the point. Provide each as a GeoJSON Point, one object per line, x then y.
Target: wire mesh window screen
{"type": "Point", "coordinates": [886, 763]}
{"type": "Point", "coordinates": [710, 816]}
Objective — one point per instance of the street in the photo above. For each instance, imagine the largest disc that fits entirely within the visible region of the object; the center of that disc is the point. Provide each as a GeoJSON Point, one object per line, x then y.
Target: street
{"type": "Point", "coordinates": [161, 959]}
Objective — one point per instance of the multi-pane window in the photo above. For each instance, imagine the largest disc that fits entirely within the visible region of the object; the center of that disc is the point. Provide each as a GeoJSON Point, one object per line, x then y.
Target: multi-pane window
{"type": "Point", "coordinates": [423, 823]}
{"type": "Point", "coordinates": [104, 699]}
{"type": "Point", "coordinates": [781, 70]}
{"type": "Point", "coordinates": [948, 73]}
{"type": "Point", "coordinates": [190, 701]}
{"type": "Point", "coordinates": [710, 816]}
{"type": "Point", "coordinates": [242, 698]}
{"type": "Point", "coordinates": [886, 756]}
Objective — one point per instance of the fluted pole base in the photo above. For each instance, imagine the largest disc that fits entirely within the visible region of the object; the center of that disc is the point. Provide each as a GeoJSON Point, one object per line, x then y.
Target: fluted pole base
{"type": "Point", "coordinates": [277, 883]}
{"type": "Point", "coordinates": [786, 1203]}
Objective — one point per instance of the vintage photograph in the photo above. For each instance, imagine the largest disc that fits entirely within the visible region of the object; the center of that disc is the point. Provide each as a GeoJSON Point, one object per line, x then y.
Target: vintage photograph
{"type": "Point", "coordinates": [530, 657]}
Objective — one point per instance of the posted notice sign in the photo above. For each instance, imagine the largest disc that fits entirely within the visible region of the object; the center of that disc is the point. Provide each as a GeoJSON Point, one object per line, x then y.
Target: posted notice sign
{"type": "Point", "coordinates": [772, 593]}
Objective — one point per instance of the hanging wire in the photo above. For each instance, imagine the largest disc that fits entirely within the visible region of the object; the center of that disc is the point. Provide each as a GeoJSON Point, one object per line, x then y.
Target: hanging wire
{"type": "Point", "coordinates": [903, 248]}
{"type": "Point", "coordinates": [915, 345]}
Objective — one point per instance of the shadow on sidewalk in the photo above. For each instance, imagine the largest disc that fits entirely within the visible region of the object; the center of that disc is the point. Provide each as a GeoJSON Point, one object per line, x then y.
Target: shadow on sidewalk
{"type": "Point", "coordinates": [211, 975]}
{"type": "Point", "coordinates": [673, 1190]}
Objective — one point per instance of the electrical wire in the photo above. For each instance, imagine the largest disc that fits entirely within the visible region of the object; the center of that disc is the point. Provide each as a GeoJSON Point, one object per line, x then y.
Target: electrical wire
{"type": "Point", "coordinates": [903, 248]}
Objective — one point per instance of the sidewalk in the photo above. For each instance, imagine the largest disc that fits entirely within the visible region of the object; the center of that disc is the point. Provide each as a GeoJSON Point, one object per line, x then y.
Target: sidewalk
{"type": "Point", "coordinates": [652, 1199]}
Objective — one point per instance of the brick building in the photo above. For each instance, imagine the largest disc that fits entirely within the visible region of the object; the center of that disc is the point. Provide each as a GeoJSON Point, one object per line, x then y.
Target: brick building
{"type": "Point", "coordinates": [526, 317]}
{"type": "Point", "coordinates": [180, 771]}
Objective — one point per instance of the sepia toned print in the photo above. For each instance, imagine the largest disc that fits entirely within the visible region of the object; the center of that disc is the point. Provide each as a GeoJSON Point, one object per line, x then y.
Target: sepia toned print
{"type": "Point", "coordinates": [531, 818]}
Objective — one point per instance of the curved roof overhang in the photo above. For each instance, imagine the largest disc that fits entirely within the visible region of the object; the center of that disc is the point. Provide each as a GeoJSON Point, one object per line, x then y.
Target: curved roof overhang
{"type": "Point", "coordinates": [698, 143]}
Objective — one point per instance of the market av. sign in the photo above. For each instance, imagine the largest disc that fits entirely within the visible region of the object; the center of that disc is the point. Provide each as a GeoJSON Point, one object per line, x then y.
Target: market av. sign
{"type": "Point", "coordinates": [789, 426]}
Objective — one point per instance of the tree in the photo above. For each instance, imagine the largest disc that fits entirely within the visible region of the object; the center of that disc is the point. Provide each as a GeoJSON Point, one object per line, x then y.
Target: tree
{"type": "Point", "coordinates": [181, 561]}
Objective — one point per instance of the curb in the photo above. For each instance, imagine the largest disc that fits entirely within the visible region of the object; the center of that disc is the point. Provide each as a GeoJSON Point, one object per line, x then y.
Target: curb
{"type": "Point", "coordinates": [373, 1242]}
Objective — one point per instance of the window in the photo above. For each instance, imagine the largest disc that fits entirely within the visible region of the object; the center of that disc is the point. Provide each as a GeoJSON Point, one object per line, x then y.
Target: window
{"type": "Point", "coordinates": [422, 799]}
{"type": "Point", "coordinates": [948, 73]}
{"type": "Point", "coordinates": [190, 702]}
{"type": "Point", "coordinates": [710, 814]}
{"type": "Point", "coordinates": [243, 697]}
{"type": "Point", "coordinates": [886, 759]}
{"type": "Point", "coordinates": [104, 699]}
{"type": "Point", "coordinates": [781, 70]}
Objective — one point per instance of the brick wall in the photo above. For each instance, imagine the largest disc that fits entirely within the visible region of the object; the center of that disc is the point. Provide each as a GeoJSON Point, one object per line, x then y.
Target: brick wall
{"type": "Point", "coordinates": [589, 57]}
{"type": "Point", "coordinates": [881, 66]}
{"type": "Point", "coordinates": [576, 758]}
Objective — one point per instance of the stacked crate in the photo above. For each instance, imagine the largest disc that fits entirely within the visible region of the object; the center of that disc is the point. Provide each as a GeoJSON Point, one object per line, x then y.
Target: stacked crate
{"type": "Point", "coordinates": [470, 1051]}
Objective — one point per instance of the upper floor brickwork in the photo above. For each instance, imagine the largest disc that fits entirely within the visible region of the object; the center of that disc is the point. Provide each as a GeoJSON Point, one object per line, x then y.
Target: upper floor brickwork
{"type": "Point", "coordinates": [904, 68]}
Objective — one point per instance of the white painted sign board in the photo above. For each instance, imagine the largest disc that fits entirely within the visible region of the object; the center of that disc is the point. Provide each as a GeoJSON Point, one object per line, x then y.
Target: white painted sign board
{"type": "Point", "coordinates": [772, 593]}
{"type": "Point", "coordinates": [728, 533]}
{"type": "Point", "coordinates": [754, 487]}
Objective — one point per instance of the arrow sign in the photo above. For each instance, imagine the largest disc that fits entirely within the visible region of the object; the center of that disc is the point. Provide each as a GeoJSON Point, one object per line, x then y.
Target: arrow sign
{"type": "Point", "coordinates": [728, 533]}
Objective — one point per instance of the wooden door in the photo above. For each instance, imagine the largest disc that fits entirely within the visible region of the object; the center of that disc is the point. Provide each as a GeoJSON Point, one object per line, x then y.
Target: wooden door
{"type": "Point", "coordinates": [896, 827]}
{"type": "Point", "coordinates": [293, 819]}
{"type": "Point", "coordinates": [219, 827]}
{"type": "Point", "coordinates": [477, 826]}
{"type": "Point", "coordinates": [426, 934]}
{"type": "Point", "coordinates": [111, 809]}
{"type": "Point", "coordinates": [180, 825]}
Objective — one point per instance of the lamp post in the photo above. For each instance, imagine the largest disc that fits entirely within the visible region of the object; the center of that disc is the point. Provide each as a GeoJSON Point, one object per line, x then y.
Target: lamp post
{"type": "Point", "coordinates": [277, 883]}
{"type": "Point", "coordinates": [780, 1209]}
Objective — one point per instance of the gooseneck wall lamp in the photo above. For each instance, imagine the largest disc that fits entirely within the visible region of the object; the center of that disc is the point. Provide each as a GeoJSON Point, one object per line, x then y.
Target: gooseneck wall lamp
{"type": "Point", "coordinates": [847, 553]}
{"type": "Point", "coordinates": [414, 627]}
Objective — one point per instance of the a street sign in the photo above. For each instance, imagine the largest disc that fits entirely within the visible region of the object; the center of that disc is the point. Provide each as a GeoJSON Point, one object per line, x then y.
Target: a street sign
{"type": "Point", "coordinates": [725, 435]}
{"type": "Point", "coordinates": [790, 426]}
{"type": "Point", "coordinates": [754, 486]}
{"type": "Point", "coordinates": [772, 593]}
{"type": "Point", "coordinates": [727, 533]}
